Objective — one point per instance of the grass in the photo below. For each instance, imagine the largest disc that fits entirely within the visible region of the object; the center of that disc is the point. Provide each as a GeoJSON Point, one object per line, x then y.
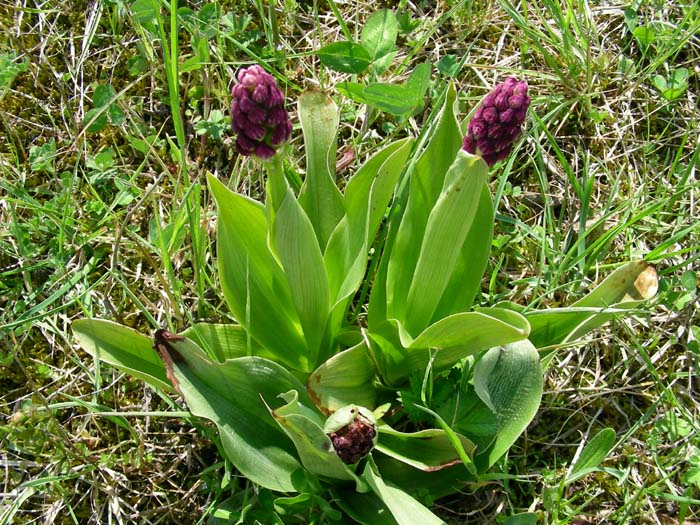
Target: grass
{"type": "Point", "coordinates": [103, 213]}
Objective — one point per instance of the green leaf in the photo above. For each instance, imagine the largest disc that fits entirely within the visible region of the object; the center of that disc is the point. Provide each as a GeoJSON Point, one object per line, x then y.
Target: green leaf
{"type": "Point", "coordinates": [379, 38]}
{"type": "Point", "coordinates": [391, 98]}
{"type": "Point", "coordinates": [428, 450]}
{"type": "Point", "coordinates": [124, 348]}
{"type": "Point", "coordinates": [304, 269]}
{"type": "Point", "coordinates": [465, 282]}
{"type": "Point", "coordinates": [367, 197]}
{"type": "Point", "coordinates": [524, 518]}
{"type": "Point", "coordinates": [508, 379]}
{"type": "Point", "coordinates": [593, 454]}
{"type": "Point", "coordinates": [625, 288]}
{"type": "Point", "coordinates": [428, 486]}
{"type": "Point", "coordinates": [10, 69]}
{"type": "Point", "coordinates": [443, 343]}
{"type": "Point", "coordinates": [445, 232]}
{"type": "Point", "coordinates": [314, 447]}
{"type": "Point", "coordinates": [319, 196]}
{"type": "Point", "coordinates": [222, 341]}
{"type": "Point", "coordinates": [254, 285]}
{"type": "Point", "coordinates": [425, 186]}
{"type": "Point", "coordinates": [345, 379]}
{"type": "Point", "coordinates": [397, 99]}
{"type": "Point", "coordinates": [364, 508]}
{"type": "Point", "coordinates": [345, 57]}
{"type": "Point", "coordinates": [405, 509]}
{"type": "Point", "coordinates": [235, 396]}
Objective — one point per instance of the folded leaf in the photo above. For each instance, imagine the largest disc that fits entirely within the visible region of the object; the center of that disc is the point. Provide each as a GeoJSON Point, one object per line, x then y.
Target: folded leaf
{"type": "Point", "coordinates": [446, 230]}
{"type": "Point", "coordinates": [304, 270]}
{"type": "Point", "coordinates": [428, 450]}
{"type": "Point", "coordinates": [444, 343]}
{"type": "Point", "coordinates": [425, 185]}
{"type": "Point", "coordinates": [222, 341]}
{"type": "Point", "coordinates": [625, 288]}
{"type": "Point", "coordinates": [405, 509]}
{"type": "Point", "coordinates": [305, 428]}
{"type": "Point", "coordinates": [320, 196]}
{"type": "Point", "coordinates": [345, 379]}
{"type": "Point", "coordinates": [508, 379]}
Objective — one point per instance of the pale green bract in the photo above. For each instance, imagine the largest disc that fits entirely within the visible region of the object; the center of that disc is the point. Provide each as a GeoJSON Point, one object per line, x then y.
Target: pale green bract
{"type": "Point", "coordinates": [291, 269]}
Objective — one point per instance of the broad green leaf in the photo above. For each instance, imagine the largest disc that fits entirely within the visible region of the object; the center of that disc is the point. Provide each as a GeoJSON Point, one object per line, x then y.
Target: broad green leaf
{"type": "Point", "coordinates": [625, 288]}
{"type": "Point", "coordinates": [304, 427]}
{"type": "Point", "coordinates": [405, 509]}
{"type": "Point", "coordinates": [508, 379]}
{"type": "Point", "coordinates": [465, 282]}
{"type": "Point", "coordinates": [253, 283]}
{"type": "Point", "coordinates": [345, 57]}
{"type": "Point", "coordinates": [345, 379]}
{"type": "Point", "coordinates": [235, 396]}
{"type": "Point", "coordinates": [124, 348]}
{"type": "Point", "coordinates": [379, 38]}
{"type": "Point", "coordinates": [426, 183]}
{"type": "Point", "coordinates": [446, 230]}
{"type": "Point", "coordinates": [222, 341]}
{"type": "Point", "coordinates": [593, 454]}
{"type": "Point", "coordinates": [319, 196]}
{"type": "Point", "coordinates": [428, 450]}
{"type": "Point", "coordinates": [304, 269]}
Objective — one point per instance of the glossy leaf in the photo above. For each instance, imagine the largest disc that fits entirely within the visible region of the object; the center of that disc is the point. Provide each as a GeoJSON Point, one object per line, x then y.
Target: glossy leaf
{"type": "Point", "coordinates": [235, 396]}
{"type": "Point", "coordinates": [254, 285]}
{"type": "Point", "coordinates": [345, 57]}
{"type": "Point", "coordinates": [124, 348]}
{"type": "Point", "coordinates": [320, 197]}
{"type": "Point", "coordinates": [344, 379]}
{"type": "Point", "coordinates": [508, 379]}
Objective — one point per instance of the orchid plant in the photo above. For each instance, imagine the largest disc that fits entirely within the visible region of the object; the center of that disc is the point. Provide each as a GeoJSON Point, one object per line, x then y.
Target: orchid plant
{"type": "Point", "coordinates": [363, 368]}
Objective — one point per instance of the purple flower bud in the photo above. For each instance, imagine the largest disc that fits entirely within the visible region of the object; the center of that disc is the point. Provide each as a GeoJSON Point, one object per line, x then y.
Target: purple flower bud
{"type": "Point", "coordinates": [497, 122]}
{"type": "Point", "coordinates": [258, 115]}
{"type": "Point", "coordinates": [353, 433]}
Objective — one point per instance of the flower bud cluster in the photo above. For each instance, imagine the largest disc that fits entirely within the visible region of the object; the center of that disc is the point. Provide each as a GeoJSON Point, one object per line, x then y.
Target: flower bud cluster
{"type": "Point", "coordinates": [497, 122]}
{"type": "Point", "coordinates": [258, 115]}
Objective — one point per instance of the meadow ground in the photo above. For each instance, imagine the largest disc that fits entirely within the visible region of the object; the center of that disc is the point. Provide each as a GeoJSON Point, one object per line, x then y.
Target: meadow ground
{"type": "Point", "coordinates": [104, 213]}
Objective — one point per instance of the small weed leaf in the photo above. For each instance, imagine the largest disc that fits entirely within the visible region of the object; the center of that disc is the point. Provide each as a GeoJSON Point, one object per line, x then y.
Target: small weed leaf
{"type": "Point", "coordinates": [345, 57]}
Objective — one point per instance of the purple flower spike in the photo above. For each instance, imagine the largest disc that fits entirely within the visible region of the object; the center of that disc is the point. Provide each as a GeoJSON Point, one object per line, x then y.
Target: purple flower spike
{"type": "Point", "coordinates": [497, 122]}
{"type": "Point", "coordinates": [258, 115]}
